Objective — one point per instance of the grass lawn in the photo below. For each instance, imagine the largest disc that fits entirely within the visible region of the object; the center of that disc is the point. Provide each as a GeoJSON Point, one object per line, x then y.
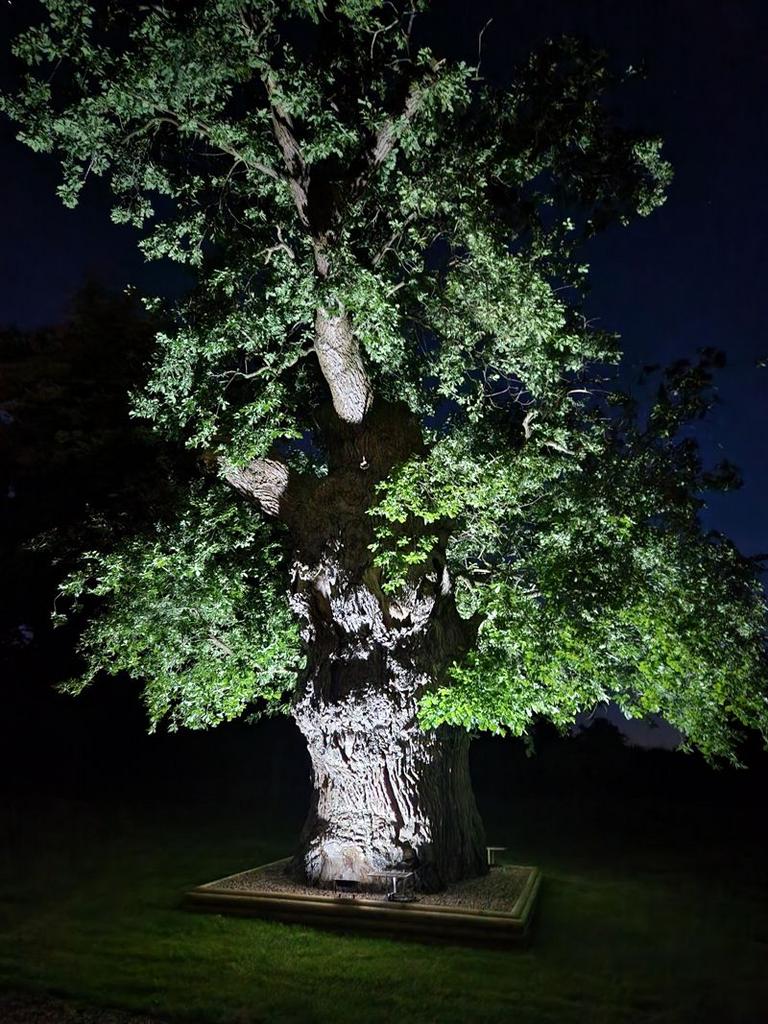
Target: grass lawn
{"type": "Point", "coordinates": [650, 913]}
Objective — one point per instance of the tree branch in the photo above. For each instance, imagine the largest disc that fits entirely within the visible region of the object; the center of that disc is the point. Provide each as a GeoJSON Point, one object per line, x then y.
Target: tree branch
{"type": "Point", "coordinates": [203, 130]}
{"type": "Point", "coordinates": [337, 349]}
{"type": "Point", "coordinates": [394, 240]}
{"type": "Point", "coordinates": [263, 481]}
{"type": "Point", "coordinates": [341, 363]}
{"type": "Point", "coordinates": [385, 139]}
{"type": "Point", "coordinates": [282, 124]}
{"type": "Point", "coordinates": [298, 177]}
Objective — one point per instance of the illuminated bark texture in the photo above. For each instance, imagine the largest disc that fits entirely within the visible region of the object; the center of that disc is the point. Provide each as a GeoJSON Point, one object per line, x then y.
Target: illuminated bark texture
{"type": "Point", "coordinates": [386, 793]}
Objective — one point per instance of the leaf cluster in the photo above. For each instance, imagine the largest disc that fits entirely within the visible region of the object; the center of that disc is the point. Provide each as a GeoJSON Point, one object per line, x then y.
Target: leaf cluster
{"type": "Point", "coordinates": [195, 609]}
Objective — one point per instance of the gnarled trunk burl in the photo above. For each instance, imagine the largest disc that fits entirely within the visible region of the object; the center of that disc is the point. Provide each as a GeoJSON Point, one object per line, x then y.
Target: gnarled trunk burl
{"type": "Point", "coordinates": [387, 794]}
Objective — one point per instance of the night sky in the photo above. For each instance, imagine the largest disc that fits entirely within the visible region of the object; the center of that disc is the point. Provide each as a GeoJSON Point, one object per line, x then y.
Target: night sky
{"type": "Point", "coordinates": [691, 275]}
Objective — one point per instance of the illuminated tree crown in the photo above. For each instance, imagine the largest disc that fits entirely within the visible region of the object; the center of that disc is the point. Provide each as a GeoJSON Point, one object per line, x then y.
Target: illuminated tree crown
{"type": "Point", "coordinates": [387, 254]}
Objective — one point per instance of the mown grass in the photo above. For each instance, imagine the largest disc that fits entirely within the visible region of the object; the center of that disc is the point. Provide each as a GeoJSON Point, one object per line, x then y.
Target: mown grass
{"type": "Point", "coordinates": [649, 913]}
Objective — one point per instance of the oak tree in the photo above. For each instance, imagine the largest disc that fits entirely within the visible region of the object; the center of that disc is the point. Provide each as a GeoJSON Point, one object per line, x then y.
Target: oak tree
{"type": "Point", "coordinates": [421, 512]}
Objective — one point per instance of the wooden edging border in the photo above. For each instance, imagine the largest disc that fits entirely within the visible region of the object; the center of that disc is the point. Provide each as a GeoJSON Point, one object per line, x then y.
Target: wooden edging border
{"type": "Point", "coordinates": [403, 920]}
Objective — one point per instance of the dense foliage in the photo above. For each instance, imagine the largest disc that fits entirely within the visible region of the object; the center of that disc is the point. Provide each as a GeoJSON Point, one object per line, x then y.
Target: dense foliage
{"type": "Point", "coordinates": [443, 215]}
{"type": "Point", "coordinates": [197, 611]}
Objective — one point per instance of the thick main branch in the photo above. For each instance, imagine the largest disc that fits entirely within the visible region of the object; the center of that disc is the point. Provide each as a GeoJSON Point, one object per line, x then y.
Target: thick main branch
{"type": "Point", "coordinates": [341, 363]}
{"type": "Point", "coordinates": [263, 480]}
{"type": "Point", "coordinates": [282, 125]}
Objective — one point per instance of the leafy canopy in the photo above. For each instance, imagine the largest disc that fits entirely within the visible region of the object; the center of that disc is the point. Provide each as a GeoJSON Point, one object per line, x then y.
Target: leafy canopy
{"type": "Point", "coordinates": [197, 611]}
{"type": "Point", "coordinates": [446, 214]}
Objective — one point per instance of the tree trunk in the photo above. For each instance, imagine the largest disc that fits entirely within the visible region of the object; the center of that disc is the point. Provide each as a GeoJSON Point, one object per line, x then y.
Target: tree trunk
{"type": "Point", "coordinates": [386, 794]}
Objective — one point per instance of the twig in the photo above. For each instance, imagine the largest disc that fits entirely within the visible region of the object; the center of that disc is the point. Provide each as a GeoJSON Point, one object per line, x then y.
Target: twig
{"type": "Point", "coordinates": [480, 49]}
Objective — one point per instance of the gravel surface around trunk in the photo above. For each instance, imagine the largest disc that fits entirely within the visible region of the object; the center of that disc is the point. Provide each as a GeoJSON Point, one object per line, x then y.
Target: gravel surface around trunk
{"type": "Point", "coordinates": [498, 890]}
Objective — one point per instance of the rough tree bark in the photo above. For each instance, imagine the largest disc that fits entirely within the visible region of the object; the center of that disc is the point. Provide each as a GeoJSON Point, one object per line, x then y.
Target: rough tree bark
{"type": "Point", "coordinates": [386, 793]}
